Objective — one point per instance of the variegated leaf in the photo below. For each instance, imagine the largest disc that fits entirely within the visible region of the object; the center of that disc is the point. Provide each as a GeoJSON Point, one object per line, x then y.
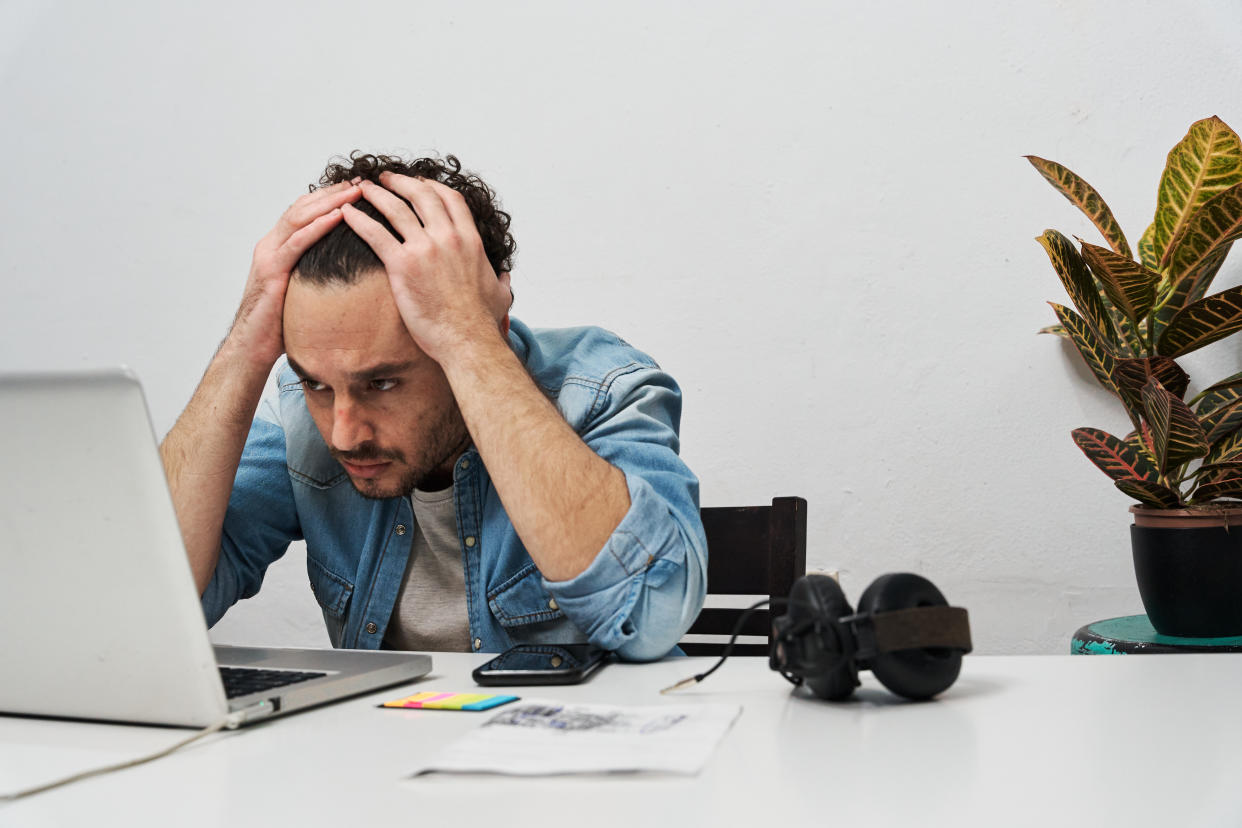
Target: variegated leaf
{"type": "Point", "coordinates": [1208, 472]}
{"type": "Point", "coordinates": [1116, 458]}
{"type": "Point", "coordinates": [1135, 372]}
{"type": "Point", "coordinates": [1231, 381]}
{"type": "Point", "coordinates": [1055, 330]}
{"type": "Point", "coordinates": [1147, 249]}
{"type": "Point", "coordinates": [1230, 486]}
{"type": "Point", "coordinates": [1217, 222]}
{"type": "Point", "coordinates": [1221, 415]}
{"type": "Point", "coordinates": [1083, 196]}
{"type": "Point", "coordinates": [1130, 375]}
{"type": "Point", "coordinates": [1078, 283]}
{"type": "Point", "coordinates": [1201, 278]}
{"type": "Point", "coordinates": [1230, 448]}
{"type": "Point", "coordinates": [1202, 323]}
{"type": "Point", "coordinates": [1206, 162]}
{"type": "Point", "coordinates": [1095, 353]}
{"type": "Point", "coordinates": [1130, 286]}
{"type": "Point", "coordinates": [1175, 431]}
{"type": "Point", "coordinates": [1176, 293]}
{"type": "Point", "coordinates": [1140, 441]}
{"type": "Point", "coordinates": [1129, 342]}
{"type": "Point", "coordinates": [1153, 494]}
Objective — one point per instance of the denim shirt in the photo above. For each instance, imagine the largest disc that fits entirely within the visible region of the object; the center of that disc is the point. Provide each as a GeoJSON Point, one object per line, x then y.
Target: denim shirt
{"type": "Point", "coordinates": [638, 596]}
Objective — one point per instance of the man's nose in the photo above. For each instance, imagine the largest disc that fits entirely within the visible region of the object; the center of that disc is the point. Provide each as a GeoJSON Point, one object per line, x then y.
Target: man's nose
{"type": "Point", "coordinates": [350, 426]}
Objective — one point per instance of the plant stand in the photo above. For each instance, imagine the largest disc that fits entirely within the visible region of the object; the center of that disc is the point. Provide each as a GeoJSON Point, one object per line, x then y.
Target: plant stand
{"type": "Point", "coordinates": [1133, 634]}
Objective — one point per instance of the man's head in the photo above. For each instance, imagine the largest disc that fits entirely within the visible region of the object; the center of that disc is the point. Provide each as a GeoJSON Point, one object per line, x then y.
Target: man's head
{"type": "Point", "coordinates": [342, 256]}
{"type": "Point", "coordinates": [383, 407]}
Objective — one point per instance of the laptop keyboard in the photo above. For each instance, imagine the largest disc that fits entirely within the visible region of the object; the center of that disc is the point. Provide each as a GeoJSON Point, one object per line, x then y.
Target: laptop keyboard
{"type": "Point", "coordinates": [242, 681]}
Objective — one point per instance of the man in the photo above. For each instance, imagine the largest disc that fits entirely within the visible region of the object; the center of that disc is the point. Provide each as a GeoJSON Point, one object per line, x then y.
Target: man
{"type": "Point", "coordinates": [462, 482]}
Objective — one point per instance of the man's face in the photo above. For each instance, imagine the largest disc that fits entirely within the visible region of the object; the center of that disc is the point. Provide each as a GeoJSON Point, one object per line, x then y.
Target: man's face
{"type": "Point", "coordinates": [383, 407]}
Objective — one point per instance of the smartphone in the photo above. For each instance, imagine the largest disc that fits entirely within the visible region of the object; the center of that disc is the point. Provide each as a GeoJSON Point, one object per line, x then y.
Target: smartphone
{"type": "Point", "coordinates": [542, 664]}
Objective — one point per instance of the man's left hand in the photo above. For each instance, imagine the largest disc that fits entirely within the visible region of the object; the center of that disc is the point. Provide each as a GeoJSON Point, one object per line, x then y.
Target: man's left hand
{"type": "Point", "coordinates": [443, 284]}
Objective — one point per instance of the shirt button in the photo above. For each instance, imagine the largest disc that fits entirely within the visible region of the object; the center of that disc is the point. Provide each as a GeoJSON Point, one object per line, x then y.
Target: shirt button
{"type": "Point", "coordinates": [465, 464]}
{"type": "Point", "coordinates": [552, 605]}
{"type": "Point", "coordinates": [478, 642]}
{"type": "Point", "coordinates": [371, 628]}
{"type": "Point", "coordinates": [470, 542]}
{"type": "Point", "coordinates": [400, 528]}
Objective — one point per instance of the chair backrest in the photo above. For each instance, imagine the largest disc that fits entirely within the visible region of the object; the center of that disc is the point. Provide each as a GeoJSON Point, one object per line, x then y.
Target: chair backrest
{"type": "Point", "coordinates": [751, 550]}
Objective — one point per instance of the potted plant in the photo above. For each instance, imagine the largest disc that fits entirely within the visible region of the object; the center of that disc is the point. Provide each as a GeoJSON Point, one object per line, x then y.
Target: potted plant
{"type": "Point", "coordinates": [1131, 320]}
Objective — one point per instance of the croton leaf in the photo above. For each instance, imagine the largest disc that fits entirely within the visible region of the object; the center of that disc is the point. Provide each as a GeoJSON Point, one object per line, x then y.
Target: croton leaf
{"type": "Point", "coordinates": [1129, 285]}
{"type": "Point", "coordinates": [1181, 291]}
{"type": "Point", "coordinates": [1055, 330]}
{"type": "Point", "coordinates": [1131, 374]}
{"type": "Point", "coordinates": [1202, 323]}
{"type": "Point", "coordinates": [1231, 381]}
{"type": "Point", "coordinates": [1221, 414]}
{"type": "Point", "coordinates": [1209, 472]}
{"type": "Point", "coordinates": [1175, 431]}
{"type": "Point", "coordinates": [1079, 283]}
{"type": "Point", "coordinates": [1229, 448]}
{"type": "Point", "coordinates": [1095, 353]}
{"type": "Point", "coordinates": [1204, 163]}
{"type": "Point", "coordinates": [1116, 458]}
{"type": "Point", "coordinates": [1217, 222]}
{"type": "Point", "coordinates": [1085, 197]}
{"type": "Point", "coordinates": [1140, 441]}
{"type": "Point", "coordinates": [1227, 486]}
{"type": "Point", "coordinates": [1147, 249]}
{"type": "Point", "coordinates": [1152, 494]}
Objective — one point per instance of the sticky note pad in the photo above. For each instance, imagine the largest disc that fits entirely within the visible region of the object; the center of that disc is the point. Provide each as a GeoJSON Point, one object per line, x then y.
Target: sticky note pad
{"type": "Point", "coordinates": [450, 701]}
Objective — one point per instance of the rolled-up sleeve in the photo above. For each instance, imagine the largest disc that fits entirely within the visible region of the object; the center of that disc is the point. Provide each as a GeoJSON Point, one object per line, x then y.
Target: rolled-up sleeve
{"type": "Point", "coordinates": [260, 522]}
{"type": "Point", "coordinates": [646, 586]}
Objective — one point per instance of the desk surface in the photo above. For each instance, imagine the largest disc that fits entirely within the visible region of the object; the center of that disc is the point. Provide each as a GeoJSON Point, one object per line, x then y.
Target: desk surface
{"type": "Point", "coordinates": [1019, 740]}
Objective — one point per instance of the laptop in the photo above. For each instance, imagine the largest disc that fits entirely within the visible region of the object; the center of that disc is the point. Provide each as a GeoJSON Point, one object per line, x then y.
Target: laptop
{"type": "Point", "coordinates": [100, 616]}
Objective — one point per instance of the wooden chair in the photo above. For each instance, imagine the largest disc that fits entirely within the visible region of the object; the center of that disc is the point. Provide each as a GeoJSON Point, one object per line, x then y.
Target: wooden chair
{"type": "Point", "coordinates": [751, 550]}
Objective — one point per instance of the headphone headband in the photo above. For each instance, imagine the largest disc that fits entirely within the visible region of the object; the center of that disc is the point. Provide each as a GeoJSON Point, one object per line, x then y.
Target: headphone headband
{"type": "Point", "coordinates": [914, 628]}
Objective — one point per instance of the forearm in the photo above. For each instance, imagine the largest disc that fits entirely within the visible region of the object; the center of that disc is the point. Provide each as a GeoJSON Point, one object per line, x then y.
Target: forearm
{"type": "Point", "coordinates": [563, 499]}
{"type": "Point", "coordinates": [202, 451]}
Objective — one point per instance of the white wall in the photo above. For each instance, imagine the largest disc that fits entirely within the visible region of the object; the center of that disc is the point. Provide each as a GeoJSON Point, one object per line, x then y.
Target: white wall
{"type": "Point", "coordinates": [815, 215]}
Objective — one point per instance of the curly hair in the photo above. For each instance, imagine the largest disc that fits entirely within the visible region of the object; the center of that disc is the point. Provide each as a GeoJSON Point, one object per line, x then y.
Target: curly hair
{"type": "Point", "coordinates": [342, 256]}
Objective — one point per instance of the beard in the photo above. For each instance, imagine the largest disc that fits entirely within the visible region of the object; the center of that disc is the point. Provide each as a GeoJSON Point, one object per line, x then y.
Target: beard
{"type": "Point", "coordinates": [430, 465]}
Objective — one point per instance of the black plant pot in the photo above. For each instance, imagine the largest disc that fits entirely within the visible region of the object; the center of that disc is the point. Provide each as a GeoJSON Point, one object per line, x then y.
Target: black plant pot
{"type": "Point", "coordinates": [1190, 579]}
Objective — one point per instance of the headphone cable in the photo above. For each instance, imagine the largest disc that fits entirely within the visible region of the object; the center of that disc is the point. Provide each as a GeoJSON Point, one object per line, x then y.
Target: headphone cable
{"type": "Point", "coordinates": [728, 650]}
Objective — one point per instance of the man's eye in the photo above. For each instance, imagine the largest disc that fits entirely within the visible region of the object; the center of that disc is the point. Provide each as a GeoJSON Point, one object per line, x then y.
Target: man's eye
{"type": "Point", "coordinates": [313, 386]}
{"type": "Point", "coordinates": [383, 384]}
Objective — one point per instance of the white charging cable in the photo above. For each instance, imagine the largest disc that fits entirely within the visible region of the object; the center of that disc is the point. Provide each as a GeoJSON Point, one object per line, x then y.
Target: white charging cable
{"type": "Point", "coordinates": [231, 722]}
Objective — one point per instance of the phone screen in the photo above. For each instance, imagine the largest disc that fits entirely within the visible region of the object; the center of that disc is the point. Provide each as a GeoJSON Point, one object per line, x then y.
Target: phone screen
{"type": "Point", "coordinates": [542, 664]}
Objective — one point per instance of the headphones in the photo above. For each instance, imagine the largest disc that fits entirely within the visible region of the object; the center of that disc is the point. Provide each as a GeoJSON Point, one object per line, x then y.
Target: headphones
{"type": "Point", "coordinates": [904, 632]}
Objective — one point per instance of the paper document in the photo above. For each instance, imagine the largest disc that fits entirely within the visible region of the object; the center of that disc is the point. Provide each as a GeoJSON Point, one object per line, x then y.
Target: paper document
{"type": "Point", "coordinates": [538, 737]}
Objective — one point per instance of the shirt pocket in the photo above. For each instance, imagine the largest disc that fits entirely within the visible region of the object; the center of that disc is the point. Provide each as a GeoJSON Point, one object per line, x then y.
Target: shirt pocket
{"type": "Point", "coordinates": [528, 612]}
{"type": "Point", "coordinates": [333, 594]}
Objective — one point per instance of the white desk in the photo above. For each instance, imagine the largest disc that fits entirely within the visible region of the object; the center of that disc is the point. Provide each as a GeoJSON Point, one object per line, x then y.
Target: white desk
{"type": "Point", "coordinates": [1019, 740]}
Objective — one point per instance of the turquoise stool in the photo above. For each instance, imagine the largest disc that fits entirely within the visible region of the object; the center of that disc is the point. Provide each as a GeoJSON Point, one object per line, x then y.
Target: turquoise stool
{"type": "Point", "coordinates": [1134, 634]}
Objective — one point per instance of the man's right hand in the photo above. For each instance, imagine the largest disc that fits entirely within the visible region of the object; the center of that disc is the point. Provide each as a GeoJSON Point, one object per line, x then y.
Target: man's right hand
{"type": "Point", "coordinates": [257, 328]}
{"type": "Point", "coordinates": [202, 451]}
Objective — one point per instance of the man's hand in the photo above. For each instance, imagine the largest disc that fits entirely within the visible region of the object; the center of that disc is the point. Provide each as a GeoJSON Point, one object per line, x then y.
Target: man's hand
{"type": "Point", "coordinates": [257, 329]}
{"type": "Point", "coordinates": [564, 500]}
{"type": "Point", "coordinates": [442, 282]}
{"type": "Point", "coordinates": [202, 451]}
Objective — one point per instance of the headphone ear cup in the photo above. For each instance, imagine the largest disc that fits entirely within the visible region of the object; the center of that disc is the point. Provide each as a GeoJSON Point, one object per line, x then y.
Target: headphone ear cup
{"type": "Point", "coordinates": [915, 674]}
{"type": "Point", "coordinates": [820, 597]}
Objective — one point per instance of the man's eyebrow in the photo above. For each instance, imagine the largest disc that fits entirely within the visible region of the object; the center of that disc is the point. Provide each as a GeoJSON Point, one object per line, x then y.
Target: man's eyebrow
{"type": "Point", "coordinates": [297, 369]}
{"type": "Point", "coordinates": [380, 371]}
{"type": "Point", "coordinates": [384, 369]}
